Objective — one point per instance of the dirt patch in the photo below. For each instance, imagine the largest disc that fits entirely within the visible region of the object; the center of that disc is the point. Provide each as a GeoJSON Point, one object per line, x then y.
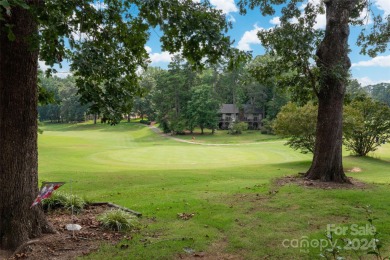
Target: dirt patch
{"type": "Point", "coordinates": [66, 244]}
{"type": "Point", "coordinates": [354, 169]}
{"type": "Point", "coordinates": [316, 184]}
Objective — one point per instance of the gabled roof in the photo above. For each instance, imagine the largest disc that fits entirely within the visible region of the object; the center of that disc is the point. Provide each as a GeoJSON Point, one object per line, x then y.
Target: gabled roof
{"type": "Point", "coordinates": [232, 109]}
{"type": "Point", "coordinates": [228, 109]}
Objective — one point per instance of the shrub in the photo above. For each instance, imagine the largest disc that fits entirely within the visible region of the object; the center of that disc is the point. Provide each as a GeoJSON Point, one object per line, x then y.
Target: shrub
{"type": "Point", "coordinates": [267, 127]}
{"type": "Point", "coordinates": [146, 122]}
{"type": "Point", "coordinates": [369, 128]}
{"type": "Point", "coordinates": [63, 200]}
{"type": "Point", "coordinates": [118, 220]}
{"type": "Point", "coordinates": [299, 125]}
{"type": "Point", "coordinates": [236, 128]}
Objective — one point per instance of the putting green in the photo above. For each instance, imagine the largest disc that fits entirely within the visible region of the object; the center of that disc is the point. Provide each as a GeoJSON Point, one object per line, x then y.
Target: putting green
{"type": "Point", "coordinates": [186, 156]}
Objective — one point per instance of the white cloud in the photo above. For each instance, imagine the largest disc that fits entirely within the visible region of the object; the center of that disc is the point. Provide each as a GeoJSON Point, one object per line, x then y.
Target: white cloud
{"type": "Point", "coordinates": [148, 49]}
{"type": "Point", "coordinates": [60, 74]}
{"type": "Point", "coordinates": [77, 36]}
{"type": "Point", "coordinates": [99, 5]}
{"type": "Point", "coordinates": [158, 57]}
{"type": "Point", "coordinates": [320, 21]}
{"type": "Point", "coordinates": [380, 61]}
{"type": "Point", "coordinates": [383, 5]}
{"type": "Point", "coordinates": [161, 57]}
{"type": "Point", "coordinates": [275, 21]}
{"type": "Point", "coordinates": [227, 6]}
{"type": "Point", "coordinates": [321, 18]}
{"type": "Point", "coordinates": [249, 37]}
{"type": "Point", "coordinates": [42, 65]}
{"type": "Point", "coordinates": [365, 81]}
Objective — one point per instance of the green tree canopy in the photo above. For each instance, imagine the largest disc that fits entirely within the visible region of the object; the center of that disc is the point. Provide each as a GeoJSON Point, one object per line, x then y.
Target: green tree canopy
{"type": "Point", "coordinates": [371, 126]}
{"type": "Point", "coordinates": [317, 60]}
{"type": "Point", "coordinates": [202, 108]}
{"type": "Point", "coordinates": [105, 45]}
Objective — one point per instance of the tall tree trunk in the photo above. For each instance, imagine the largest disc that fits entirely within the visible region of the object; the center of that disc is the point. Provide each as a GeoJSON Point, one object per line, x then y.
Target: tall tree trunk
{"type": "Point", "coordinates": [18, 134]}
{"type": "Point", "coordinates": [334, 64]}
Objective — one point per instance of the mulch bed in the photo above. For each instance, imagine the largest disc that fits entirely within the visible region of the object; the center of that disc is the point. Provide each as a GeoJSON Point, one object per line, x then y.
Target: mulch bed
{"type": "Point", "coordinates": [302, 181]}
{"type": "Point", "coordinates": [70, 244]}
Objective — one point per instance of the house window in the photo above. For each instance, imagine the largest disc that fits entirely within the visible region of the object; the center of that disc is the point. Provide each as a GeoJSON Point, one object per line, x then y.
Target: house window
{"type": "Point", "coordinates": [255, 118]}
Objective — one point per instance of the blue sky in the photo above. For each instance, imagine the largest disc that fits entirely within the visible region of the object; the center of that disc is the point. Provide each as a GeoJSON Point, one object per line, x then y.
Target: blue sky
{"type": "Point", "coordinates": [365, 69]}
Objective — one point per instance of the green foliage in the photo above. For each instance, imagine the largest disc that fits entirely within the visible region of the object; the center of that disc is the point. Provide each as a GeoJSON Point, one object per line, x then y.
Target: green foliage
{"type": "Point", "coordinates": [370, 126]}
{"type": "Point", "coordinates": [366, 126]}
{"type": "Point", "coordinates": [64, 200]}
{"type": "Point", "coordinates": [354, 91]}
{"type": "Point", "coordinates": [118, 220]}
{"type": "Point", "coordinates": [267, 126]}
{"type": "Point", "coordinates": [380, 92]}
{"type": "Point", "coordinates": [146, 122]}
{"type": "Point", "coordinates": [236, 128]}
{"type": "Point", "coordinates": [299, 125]}
{"type": "Point", "coordinates": [202, 108]}
{"type": "Point", "coordinates": [106, 43]}
{"type": "Point", "coordinates": [171, 94]}
{"type": "Point", "coordinates": [65, 105]}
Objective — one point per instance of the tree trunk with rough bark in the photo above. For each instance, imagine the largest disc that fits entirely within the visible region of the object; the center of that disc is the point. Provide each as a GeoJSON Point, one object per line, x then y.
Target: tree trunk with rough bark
{"type": "Point", "coordinates": [334, 64]}
{"type": "Point", "coordinates": [18, 133]}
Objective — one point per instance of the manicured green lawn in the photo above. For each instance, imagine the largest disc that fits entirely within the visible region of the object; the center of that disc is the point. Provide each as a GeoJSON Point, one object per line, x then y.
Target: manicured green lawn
{"type": "Point", "coordinates": [223, 137]}
{"type": "Point", "coordinates": [239, 211]}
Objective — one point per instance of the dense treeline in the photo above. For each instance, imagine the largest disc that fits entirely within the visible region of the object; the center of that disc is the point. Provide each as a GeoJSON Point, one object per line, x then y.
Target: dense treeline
{"type": "Point", "coordinates": [181, 99]}
{"type": "Point", "coordinates": [65, 105]}
{"type": "Point", "coordinates": [178, 97]}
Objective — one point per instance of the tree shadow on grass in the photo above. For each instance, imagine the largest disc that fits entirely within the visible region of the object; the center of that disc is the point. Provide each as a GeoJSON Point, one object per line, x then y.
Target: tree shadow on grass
{"type": "Point", "coordinates": [367, 159]}
{"type": "Point", "coordinates": [65, 127]}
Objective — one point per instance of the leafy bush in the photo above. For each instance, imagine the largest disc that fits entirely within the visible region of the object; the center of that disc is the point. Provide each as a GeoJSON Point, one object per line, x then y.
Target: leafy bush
{"type": "Point", "coordinates": [164, 124]}
{"type": "Point", "coordinates": [299, 125]}
{"type": "Point", "coordinates": [63, 200]}
{"type": "Point", "coordinates": [267, 127]}
{"type": "Point", "coordinates": [370, 126]}
{"type": "Point", "coordinates": [146, 122]}
{"type": "Point", "coordinates": [237, 128]}
{"type": "Point", "coordinates": [118, 220]}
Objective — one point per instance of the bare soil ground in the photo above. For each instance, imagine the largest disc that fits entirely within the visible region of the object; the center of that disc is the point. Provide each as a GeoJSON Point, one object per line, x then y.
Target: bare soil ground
{"type": "Point", "coordinates": [66, 244]}
{"type": "Point", "coordinates": [301, 181]}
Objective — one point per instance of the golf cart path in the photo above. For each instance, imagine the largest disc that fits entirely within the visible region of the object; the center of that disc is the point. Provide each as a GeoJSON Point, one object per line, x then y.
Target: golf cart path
{"type": "Point", "coordinates": [158, 131]}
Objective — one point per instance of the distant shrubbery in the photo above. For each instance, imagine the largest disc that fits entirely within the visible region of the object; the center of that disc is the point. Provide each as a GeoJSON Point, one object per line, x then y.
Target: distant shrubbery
{"type": "Point", "coordinates": [366, 126]}
{"type": "Point", "coordinates": [236, 128]}
{"type": "Point", "coordinates": [146, 122]}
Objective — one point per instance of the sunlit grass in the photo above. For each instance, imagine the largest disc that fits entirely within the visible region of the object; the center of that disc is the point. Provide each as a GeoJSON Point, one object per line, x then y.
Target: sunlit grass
{"type": "Point", "coordinates": [229, 188]}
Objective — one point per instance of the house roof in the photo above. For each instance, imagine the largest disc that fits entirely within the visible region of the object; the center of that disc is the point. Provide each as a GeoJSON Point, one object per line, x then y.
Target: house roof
{"type": "Point", "coordinates": [228, 109]}
{"type": "Point", "coordinates": [232, 109]}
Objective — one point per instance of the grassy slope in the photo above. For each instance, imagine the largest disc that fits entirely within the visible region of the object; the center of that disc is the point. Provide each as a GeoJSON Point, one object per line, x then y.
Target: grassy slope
{"type": "Point", "coordinates": [227, 187]}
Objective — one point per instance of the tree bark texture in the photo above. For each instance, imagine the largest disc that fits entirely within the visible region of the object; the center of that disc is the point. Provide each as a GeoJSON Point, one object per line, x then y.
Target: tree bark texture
{"type": "Point", "coordinates": [18, 133]}
{"type": "Point", "coordinates": [334, 64]}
